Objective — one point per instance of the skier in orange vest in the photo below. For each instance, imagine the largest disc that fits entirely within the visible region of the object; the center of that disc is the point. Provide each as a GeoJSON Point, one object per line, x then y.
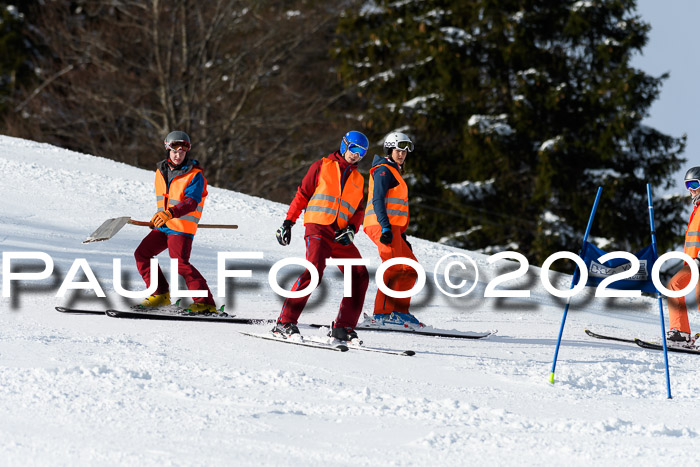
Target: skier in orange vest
{"type": "Point", "coordinates": [331, 194]}
{"type": "Point", "coordinates": [386, 220]}
{"type": "Point", "coordinates": [679, 334]}
{"type": "Point", "coordinates": [180, 193]}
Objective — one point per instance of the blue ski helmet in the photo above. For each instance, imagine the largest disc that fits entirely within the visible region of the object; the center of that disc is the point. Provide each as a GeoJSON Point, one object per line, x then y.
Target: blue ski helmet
{"type": "Point", "coordinates": [356, 142]}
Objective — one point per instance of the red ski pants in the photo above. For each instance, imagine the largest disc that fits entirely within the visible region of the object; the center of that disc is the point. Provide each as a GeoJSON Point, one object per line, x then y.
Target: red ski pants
{"type": "Point", "coordinates": [399, 277]}
{"type": "Point", "coordinates": [677, 311]}
{"type": "Point", "coordinates": [179, 247]}
{"type": "Point", "coordinates": [318, 249]}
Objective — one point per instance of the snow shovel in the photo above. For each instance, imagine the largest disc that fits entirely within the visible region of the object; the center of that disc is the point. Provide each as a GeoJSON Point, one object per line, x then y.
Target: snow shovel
{"type": "Point", "coordinates": [111, 226]}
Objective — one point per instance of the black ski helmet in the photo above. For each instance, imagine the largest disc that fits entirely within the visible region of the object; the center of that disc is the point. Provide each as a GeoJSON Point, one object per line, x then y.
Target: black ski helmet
{"type": "Point", "coordinates": [693, 173]}
{"type": "Point", "coordinates": [177, 137]}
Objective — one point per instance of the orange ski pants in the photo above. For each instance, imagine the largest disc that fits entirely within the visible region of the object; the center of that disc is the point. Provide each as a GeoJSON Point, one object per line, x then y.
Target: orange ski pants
{"type": "Point", "coordinates": [677, 311]}
{"type": "Point", "coordinates": [399, 277]}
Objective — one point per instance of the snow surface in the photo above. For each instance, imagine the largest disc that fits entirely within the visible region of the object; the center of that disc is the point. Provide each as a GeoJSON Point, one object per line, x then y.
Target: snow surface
{"type": "Point", "coordinates": [96, 390]}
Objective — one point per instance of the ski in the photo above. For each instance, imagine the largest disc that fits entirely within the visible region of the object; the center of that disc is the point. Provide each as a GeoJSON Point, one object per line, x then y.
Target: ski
{"type": "Point", "coordinates": [179, 314]}
{"type": "Point", "coordinates": [78, 311]}
{"type": "Point", "coordinates": [352, 346]}
{"type": "Point", "coordinates": [405, 353]}
{"type": "Point", "coordinates": [368, 324]}
{"type": "Point", "coordinates": [670, 348]}
{"type": "Point", "coordinates": [644, 344]}
{"type": "Point", "coordinates": [609, 338]}
{"type": "Point", "coordinates": [304, 341]}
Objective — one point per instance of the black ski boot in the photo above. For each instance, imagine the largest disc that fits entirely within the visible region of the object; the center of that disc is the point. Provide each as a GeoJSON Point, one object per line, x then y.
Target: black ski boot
{"type": "Point", "coordinates": [344, 334]}
{"type": "Point", "coordinates": [679, 339]}
{"type": "Point", "coordinates": [286, 330]}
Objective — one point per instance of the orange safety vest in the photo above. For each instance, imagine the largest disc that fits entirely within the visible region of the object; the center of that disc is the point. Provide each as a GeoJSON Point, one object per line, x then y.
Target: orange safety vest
{"type": "Point", "coordinates": [327, 203]}
{"type": "Point", "coordinates": [396, 201]}
{"type": "Point", "coordinates": [166, 198]}
{"type": "Point", "coordinates": [692, 235]}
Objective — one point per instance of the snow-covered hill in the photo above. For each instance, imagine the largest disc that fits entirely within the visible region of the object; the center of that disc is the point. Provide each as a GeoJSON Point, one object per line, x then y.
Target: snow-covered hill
{"type": "Point", "coordinates": [104, 391]}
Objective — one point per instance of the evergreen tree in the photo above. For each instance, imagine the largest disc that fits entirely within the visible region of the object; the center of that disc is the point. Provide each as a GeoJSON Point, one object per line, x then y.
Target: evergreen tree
{"type": "Point", "coordinates": [520, 109]}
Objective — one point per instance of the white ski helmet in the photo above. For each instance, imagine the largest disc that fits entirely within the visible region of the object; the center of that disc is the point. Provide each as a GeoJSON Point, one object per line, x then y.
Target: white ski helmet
{"type": "Point", "coordinates": [397, 140]}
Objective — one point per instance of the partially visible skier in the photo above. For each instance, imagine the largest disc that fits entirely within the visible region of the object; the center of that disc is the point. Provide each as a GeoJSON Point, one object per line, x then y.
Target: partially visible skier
{"type": "Point", "coordinates": [679, 334]}
{"type": "Point", "coordinates": [180, 193]}
{"type": "Point", "coordinates": [386, 220]}
{"type": "Point", "coordinates": [331, 194]}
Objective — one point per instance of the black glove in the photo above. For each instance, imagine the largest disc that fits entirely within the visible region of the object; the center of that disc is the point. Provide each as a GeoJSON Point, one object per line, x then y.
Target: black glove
{"type": "Point", "coordinates": [403, 235]}
{"type": "Point", "coordinates": [284, 233]}
{"type": "Point", "coordinates": [387, 237]}
{"type": "Point", "coordinates": [345, 236]}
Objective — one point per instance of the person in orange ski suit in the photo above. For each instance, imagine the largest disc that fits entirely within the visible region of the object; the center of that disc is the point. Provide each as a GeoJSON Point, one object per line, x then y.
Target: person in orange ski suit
{"type": "Point", "coordinates": [386, 220]}
{"type": "Point", "coordinates": [679, 334]}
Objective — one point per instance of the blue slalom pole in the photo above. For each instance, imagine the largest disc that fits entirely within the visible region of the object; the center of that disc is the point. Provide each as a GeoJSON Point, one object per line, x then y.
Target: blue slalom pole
{"type": "Point", "coordinates": [658, 294]}
{"type": "Point", "coordinates": [573, 282]}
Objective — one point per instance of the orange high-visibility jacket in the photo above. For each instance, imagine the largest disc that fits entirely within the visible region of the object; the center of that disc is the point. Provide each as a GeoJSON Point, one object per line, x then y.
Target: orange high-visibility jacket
{"type": "Point", "coordinates": [168, 197]}
{"type": "Point", "coordinates": [692, 235]}
{"type": "Point", "coordinates": [396, 200]}
{"type": "Point", "coordinates": [327, 203]}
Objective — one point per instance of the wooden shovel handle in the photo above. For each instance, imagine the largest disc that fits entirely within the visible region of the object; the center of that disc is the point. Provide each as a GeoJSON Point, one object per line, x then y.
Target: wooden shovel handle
{"type": "Point", "coordinates": [201, 226]}
{"type": "Point", "coordinates": [145, 224]}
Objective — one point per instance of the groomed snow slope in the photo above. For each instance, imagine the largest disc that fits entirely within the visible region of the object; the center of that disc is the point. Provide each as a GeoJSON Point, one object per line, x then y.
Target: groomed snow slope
{"type": "Point", "coordinates": [78, 390]}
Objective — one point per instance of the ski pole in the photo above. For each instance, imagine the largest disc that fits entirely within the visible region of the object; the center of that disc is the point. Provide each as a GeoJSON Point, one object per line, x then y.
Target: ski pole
{"type": "Point", "coordinates": [573, 282]}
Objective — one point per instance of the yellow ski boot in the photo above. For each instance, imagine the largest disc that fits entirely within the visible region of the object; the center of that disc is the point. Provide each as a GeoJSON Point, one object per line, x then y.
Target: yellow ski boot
{"type": "Point", "coordinates": [156, 300]}
{"type": "Point", "coordinates": [198, 308]}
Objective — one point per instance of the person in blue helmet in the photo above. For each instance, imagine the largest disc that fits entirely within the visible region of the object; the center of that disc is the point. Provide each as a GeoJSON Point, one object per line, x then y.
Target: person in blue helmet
{"type": "Point", "coordinates": [331, 196]}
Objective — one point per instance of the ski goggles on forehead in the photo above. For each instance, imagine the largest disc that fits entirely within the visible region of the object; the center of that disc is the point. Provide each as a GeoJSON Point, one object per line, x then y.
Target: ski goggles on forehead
{"type": "Point", "coordinates": [692, 184]}
{"type": "Point", "coordinates": [178, 146]}
{"type": "Point", "coordinates": [404, 146]}
{"type": "Point", "coordinates": [356, 148]}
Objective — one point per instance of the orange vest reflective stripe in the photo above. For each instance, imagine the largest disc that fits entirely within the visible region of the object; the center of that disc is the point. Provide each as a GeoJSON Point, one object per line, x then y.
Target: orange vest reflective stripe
{"type": "Point", "coordinates": [327, 203]}
{"type": "Point", "coordinates": [166, 198]}
{"type": "Point", "coordinates": [692, 235]}
{"type": "Point", "coordinates": [396, 201]}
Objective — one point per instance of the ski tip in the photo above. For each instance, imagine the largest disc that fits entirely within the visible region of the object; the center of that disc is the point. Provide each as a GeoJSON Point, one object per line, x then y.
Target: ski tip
{"type": "Point", "coordinates": [551, 378]}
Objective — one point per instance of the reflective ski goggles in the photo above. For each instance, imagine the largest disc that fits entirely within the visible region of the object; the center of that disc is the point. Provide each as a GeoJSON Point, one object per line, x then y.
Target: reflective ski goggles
{"type": "Point", "coordinates": [692, 184]}
{"type": "Point", "coordinates": [178, 146]}
{"type": "Point", "coordinates": [356, 148]}
{"type": "Point", "coordinates": [404, 146]}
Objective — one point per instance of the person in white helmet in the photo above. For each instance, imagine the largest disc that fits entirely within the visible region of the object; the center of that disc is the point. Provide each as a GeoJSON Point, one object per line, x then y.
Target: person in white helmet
{"type": "Point", "coordinates": [386, 220]}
